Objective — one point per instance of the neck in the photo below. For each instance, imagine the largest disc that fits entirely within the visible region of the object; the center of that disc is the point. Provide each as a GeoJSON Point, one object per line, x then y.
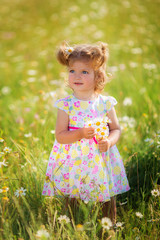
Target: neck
{"type": "Point", "coordinates": [91, 96]}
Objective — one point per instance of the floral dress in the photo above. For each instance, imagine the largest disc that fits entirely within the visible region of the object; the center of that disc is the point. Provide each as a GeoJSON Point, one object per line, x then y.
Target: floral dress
{"type": "Point", "coordinates": [79, 170]}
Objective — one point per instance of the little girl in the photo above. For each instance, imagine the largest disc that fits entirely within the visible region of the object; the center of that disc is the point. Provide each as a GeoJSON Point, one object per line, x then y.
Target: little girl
{"type": "Point", "coordinates": [81, 166]}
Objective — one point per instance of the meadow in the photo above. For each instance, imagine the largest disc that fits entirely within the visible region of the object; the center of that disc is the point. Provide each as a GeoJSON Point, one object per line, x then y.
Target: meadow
{"type": "Point", "coordinates": [31, 80]}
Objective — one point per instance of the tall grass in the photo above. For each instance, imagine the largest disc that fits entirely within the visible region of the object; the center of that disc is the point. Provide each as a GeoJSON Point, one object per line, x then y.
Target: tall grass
{"type": "Point", "coordinates": [31, 80]}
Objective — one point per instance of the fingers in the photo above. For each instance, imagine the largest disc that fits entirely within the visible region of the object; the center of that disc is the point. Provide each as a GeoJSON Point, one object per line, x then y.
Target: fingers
{"type": "Point", "coordinates": [103, 145]}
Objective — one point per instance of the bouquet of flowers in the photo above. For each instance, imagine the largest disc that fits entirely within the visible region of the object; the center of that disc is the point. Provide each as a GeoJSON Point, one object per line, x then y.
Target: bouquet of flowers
{"type": "Point", "coordinates": [101, 127]}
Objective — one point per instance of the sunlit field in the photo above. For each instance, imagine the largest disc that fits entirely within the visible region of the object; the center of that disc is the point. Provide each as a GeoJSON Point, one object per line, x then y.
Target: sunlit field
{"type": "Point", "coordinates": [31, 80]}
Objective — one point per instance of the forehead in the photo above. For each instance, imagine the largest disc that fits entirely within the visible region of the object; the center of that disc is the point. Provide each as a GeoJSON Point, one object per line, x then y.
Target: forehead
{"type": "Point", "coordinates": [81, 64]}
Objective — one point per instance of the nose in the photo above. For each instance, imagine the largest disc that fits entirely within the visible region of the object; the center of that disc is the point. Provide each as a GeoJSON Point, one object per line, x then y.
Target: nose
{"type": "Point", "coordinates": [78, 76]}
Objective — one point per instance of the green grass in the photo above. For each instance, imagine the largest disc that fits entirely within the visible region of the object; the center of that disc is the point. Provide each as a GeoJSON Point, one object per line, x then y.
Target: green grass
{"type": "Point", "coordinates": [30, 33]}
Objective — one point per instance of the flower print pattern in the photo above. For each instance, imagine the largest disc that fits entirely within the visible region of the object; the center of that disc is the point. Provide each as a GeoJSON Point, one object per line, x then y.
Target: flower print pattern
{"type": "Point", "coordinates": [79, 170]}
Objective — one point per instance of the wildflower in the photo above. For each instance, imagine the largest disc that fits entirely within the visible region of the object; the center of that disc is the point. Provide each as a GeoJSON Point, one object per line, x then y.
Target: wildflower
{"type": "Point", "coordinates": [31, 79]}
{"type": "Point", "coordinates": [53, 131]}
{"type": "Point", "coordinates": [32, 72]}
{"type": "Point", "coordinates": [153, 220]}
{"type": "Point", "coordinates": [137, 238]}
{"type": "Point", "coordinates": [149, 140]}
{"type": "Point", "coordinates": [127, 101]}
{"type": "Point", "coordinates": [100, 126]}
{"type": "Point", "coordinates": [136, 50]}
{"type": "Point", "coordinates": [3, 163]}
{"type": "Point", "coordinates": [123, 203]}
{"type": "Point", "coordinates": [119, 224]}
{"type": "Point", "coordinates": [63, 219]}
{"type": "Point", "coordinates": [155, 192]}
{"type": "Point", "coordinates": [42, 233]}
{"type": "Point", "coordinates": [1, 140]}
{"type": "Point", "coordinates": [5, 199]}
{"type": "Point", "coordinates": [138, 214]}
{"type": "Point", "coordinates": [113, 69]}
{"type": "Point", "coordinates": [7, 149]}
{"type": "Point", "coordinates": [122, 66]}
{"type": "Point", "coordinates": [20, 192]}
{"type": "Point", "coordinates": [4, 189]}
{"type": "Point", "coordinates": [79, 227]}
{"type": "Point", "coordinates": [28, 134]}
{"type": "Point", "coordinates": [6, 90]}
{"type": "Point", "coordinates": [106, 223]}
{"type": "Point", "coordinates": [69, 50]}
{"type": "Point", "coordinates": [133, 64]}
{"type": "Point", "coordinates": [149, 66]}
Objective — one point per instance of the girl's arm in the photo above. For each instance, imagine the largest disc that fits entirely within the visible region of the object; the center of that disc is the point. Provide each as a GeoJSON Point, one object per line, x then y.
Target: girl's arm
{"type": "Point", "coordinates": [114, 134]}
{"type": "Point", "coordinates": [114, 127]}
{"type": "Point", "coordinates": [64, 136]}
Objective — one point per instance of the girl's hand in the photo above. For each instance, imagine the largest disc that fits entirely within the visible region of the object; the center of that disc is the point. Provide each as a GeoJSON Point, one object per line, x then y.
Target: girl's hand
{"type": "Point", "coordinates": [104, 145]}
{"type": "Point", "coordinates": [88, 132]}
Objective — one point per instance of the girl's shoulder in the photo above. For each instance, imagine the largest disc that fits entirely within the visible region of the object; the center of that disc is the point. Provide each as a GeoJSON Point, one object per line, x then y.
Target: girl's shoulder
{"type": "Point", "coordinates": [65, 99]}
{"type": "Point", "coordinates": [63, 103]}
{"type": "Point", "coordinates": [108, 101]}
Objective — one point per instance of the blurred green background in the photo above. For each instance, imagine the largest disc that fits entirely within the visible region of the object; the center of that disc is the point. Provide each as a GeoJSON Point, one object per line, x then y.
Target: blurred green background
{"type": "Point", "coordinates": [31, 80]}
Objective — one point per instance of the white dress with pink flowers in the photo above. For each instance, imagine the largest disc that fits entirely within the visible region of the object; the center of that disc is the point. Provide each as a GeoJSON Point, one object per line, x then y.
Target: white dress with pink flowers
{"type": "Point", "coordinates": [79, 170]}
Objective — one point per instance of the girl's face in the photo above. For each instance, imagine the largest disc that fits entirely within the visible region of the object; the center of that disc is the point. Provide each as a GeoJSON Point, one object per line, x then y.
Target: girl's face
{"type": "Point", "coordinates": [81, 77]}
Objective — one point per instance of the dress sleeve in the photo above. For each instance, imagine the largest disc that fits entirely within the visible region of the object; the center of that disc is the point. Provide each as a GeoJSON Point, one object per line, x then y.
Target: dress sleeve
{"type": "Point", "coordinates": [62, 104]}
{"type": "Point", "coordinates": [111, 101]}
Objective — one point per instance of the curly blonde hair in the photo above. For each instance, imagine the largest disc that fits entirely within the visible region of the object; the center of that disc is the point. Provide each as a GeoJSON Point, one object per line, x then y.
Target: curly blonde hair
{"type": "Point", "coordinates": [96, 54]}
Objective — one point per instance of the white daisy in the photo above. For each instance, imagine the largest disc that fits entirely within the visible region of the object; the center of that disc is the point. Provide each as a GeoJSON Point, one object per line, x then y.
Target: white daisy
{"type": "Point", "coordinates": [6, 90]}
{"type": "Point", "coordinates": [138, 214]}
{"type": "Point", "coordinates": [155, 192]}
{"type": "Point", "coordinates": [4, 189]}
{"type": "Point", "coordinates": [43, 233]}
{"type": "Point", "coordinates": [3, 163]}
{"type": "Point", "coordinates": [69, 50]}
{"type": "Point", "coordinates": [7, 149]}
{"type": "Point", "coordinates": [20, 192]}
{"type": "Point", "coordinates": [127, 101]}
{"type": "Point", "coordinates": [1, 140]}
{"type": "Point", "coordinates": [32, 72]}
{"type": "Point", "coordinates": [136, 50]}
{"type": "Point", "coordinates": [106, 223]}
{"type": "Point", "coordinates": [63, 219]}
{"type": "Point", "coordinates": [119, 224]}
{"type": "Point", "coordinates": [28, 134]}
{"type": "Point", "coordinates": [53, 131]}
{"type": "Point", "coordinates": [133, 64]}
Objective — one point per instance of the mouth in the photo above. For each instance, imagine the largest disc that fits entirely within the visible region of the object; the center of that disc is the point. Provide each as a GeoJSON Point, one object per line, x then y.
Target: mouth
{"type": "Point", "coordinates": [77, 83]}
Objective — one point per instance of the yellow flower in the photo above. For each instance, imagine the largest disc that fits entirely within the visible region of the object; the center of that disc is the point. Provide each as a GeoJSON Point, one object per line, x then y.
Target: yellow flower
{"type": "Point", "coordinates": [98, 123]}
{"type": "Point", "coordinates": [145, 115]}
{"type": "Point", "coordinates": [5, 199]}
{"type": "Point", "coordinates": [102, 133]}
{"type": "Point", "coordinates": [4, 189]}
{"type": "Point", "coordinates": [79, 227]}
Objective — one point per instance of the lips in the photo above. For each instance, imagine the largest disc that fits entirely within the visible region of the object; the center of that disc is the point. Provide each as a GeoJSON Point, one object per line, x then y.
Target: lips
{"type": "Point", "coordinates": [78, 83]}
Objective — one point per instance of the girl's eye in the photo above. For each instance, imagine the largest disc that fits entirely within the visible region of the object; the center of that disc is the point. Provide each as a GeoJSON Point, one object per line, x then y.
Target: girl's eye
{"type": "Point", "coordinates": [71, 71]}
{"type": "Point", "coordinates": [85, 72]}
